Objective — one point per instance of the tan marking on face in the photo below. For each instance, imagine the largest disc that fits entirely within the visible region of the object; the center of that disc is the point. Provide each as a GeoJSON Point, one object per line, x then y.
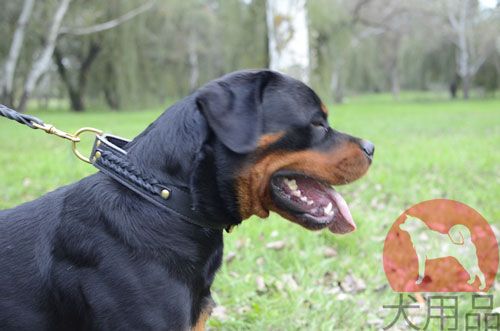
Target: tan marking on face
{"type": "Point", "coordinates": [268, 139]}
{"type": "Point", "coordinates": [202, 320]}
{"type": "Point", "coordinates": [341, 165]}
{"type": "Point", "coordinates": [324, 109]}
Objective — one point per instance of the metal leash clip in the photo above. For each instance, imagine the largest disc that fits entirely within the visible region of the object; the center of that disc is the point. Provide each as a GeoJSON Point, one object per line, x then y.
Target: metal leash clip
{"type": "Point", "coordinates": [50, 129]}
{"type": "Point", "coordinates": [74, 138]}
{"type": "Point", "coordinates": [36, 123]}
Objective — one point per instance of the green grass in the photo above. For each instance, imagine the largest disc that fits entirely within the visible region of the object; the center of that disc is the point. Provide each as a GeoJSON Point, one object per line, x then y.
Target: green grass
{"type": "Point", "coordinates": [426, 148]}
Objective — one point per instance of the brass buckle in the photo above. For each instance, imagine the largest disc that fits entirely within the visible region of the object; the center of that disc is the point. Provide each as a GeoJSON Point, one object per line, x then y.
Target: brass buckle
{"type": "Point", "coordinates": [73, 142]}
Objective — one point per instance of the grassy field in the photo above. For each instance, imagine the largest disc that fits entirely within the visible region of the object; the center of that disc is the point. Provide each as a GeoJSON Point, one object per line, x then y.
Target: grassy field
{"type": "Point", "coordinates": [425, 149]}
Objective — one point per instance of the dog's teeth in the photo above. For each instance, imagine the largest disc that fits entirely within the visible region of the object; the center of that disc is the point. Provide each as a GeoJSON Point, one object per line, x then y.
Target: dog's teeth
{"type": "Point", "coordinates": [310, 202]}
{"type": "Point", "coordinates": [292, 184]}
{"type": "Point", "coordinates": [328, 208]}
{"type": "Point", "coordinates": [297, 193]}
{"type": "Point", "coordinates": [331, 213]}
{"type": "Point", "coordinates": [303, 199]}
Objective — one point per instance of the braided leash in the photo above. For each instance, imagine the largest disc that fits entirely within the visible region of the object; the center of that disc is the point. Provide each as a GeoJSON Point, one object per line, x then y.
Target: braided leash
{"type": "Point", "coordinates": [21, 118]}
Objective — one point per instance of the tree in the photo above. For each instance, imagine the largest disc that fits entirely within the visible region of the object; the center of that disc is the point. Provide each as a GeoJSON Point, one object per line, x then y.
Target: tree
{"type": "Point", "coordinates": [471, 34]}
{"type": "Point", "coordinates": [83, 53]}
{"type": "Point", "coordinates": [76, 89]}
{"type": "Point", "coordinates": [288, 37]}
{"type": "Point", "coordinates": [396, 19]}
{"type": "Point", "coordinates": [7, 83]}
{"type": "Point", "coordinates": [42, 62]}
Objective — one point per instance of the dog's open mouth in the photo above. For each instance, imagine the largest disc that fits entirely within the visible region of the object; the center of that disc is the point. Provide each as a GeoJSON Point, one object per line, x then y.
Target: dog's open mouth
{"type": "Point", "coordinates": [312, 203]}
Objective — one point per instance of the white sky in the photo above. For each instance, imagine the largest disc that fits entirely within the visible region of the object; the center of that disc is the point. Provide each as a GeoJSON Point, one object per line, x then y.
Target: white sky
{"type": "Point", "coordinates": [488, 3]}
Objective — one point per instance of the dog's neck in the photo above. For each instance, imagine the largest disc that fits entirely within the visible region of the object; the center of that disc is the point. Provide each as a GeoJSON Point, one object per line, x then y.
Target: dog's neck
{"type": "Point", "coordinates": [179, 149]}
{"type": "Point", "coordinates": [151, 233]}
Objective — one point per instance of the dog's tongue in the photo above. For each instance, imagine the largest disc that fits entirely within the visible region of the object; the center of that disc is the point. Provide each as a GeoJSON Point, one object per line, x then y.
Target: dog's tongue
{"type": "Point", "coordinates": [343, 222]}
{"type": "Point", "coordinates": [320, 201]}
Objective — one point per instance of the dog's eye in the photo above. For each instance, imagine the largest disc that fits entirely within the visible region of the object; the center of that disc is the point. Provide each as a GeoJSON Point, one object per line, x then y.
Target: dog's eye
{"type": "Point", "coordinates": [319, 125]}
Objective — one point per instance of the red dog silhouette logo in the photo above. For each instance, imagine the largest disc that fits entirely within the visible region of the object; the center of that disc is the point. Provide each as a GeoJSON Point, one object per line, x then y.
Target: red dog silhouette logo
{"type": "Point", "coordinates": [440, 246]}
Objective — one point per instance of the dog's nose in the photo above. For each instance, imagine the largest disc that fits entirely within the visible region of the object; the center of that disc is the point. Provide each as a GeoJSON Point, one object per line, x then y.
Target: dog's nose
{"type": "Point", "coordinates": [369, 148]}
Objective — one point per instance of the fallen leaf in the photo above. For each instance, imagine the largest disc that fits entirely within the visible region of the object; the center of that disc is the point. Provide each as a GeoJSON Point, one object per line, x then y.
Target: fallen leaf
{"type": "Point", "coordinates": [240, 243]}
{"type": "Point", "coordinates": [380, 287]}
{"type": "Point", "coordinates": [243, 310]}
{"type": "Point", "coordinates": [220, 313]}
{"type": "Point", "coordinates": [261, 284]}
{"type": "Point", "coordinates": [276, 245]}
{"type": "Point", "coordinates": [234, 274]}
{"type": "Point", "coordinates": [290, 282]}
{"type": "Point", "coordinates": [333, 290]}
{"type": "Point", "coordinates": [330, 252]}
{"type": "Point", "coordinates": [230, 256]}
{"type": "Point", "coordinates": [352, 284]}
{"type": "Point", "coordinates": [260, 261]}
{"type": "Point", "coordinates": [343, 296]}
{"type": "Point", "coordinates": [329, 279]}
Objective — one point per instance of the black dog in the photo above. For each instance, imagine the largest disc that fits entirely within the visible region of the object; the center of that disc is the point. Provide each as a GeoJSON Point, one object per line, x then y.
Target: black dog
{"type": "Point", "coordinates": [95, 255]}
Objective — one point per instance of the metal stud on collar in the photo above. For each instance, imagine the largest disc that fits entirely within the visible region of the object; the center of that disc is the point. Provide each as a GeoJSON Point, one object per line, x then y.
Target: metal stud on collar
{"type": "Point", "coordinates": [165, 194]}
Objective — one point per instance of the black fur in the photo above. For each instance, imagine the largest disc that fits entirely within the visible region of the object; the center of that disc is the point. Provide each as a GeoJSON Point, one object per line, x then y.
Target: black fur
{"type": "Point", "coordinates": [93, 255]}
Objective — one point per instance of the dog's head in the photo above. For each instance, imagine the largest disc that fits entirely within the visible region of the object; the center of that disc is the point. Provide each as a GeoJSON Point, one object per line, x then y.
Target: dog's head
{"type": "Point", "coordinates": [412, 224]}
{"type": "Point", "coordinates": [275, 150]}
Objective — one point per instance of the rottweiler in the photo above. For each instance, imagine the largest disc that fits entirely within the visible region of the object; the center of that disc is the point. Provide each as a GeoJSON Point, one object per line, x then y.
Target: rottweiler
{"type": "Point", "coordinates": [96, 255]}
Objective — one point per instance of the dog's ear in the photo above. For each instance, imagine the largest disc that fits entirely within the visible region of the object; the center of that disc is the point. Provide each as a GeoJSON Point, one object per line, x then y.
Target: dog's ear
{"type": "Point", "coordinates": [232, 107]}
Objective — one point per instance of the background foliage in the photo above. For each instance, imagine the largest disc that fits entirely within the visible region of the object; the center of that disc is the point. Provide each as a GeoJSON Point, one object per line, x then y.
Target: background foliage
{"type": "Point", "coordinates": [168, 51]}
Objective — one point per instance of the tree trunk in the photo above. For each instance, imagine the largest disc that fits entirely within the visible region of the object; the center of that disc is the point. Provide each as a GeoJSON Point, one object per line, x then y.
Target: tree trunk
{"type": "Point", "coordinates": [459, 24]}
{"type": "Point", "coordinates": [336, 85]}
{"type": "Point", "coordinates": [76, 91]}
{"type": "Point", "coordinates": [394, 64]}
{"type": "Point", "coordinates": [42, 63]}
{"type": "Point", "coordinates": [288, 37]}
{"type": "Point", "coordinates": [6, 85]}
{"type": "Point", "coordinates": [76, 100]}
{"type": "Point", "coordinates": [112, 99]}
{"type": "Point", "coordinates": [110, 90]}
{"type": "Point", "coordinates": [453, 89]}
{"type": "Point", "coordinates": [395, 79]}
{"type": "Point", "coordinates": [74, 96]}
{"type": "Point", "coordinates": [194, 67]}
{"type": "Point", "coordinates": [466, 86]}
{"type": "Point", "coordinates": [85, 68]}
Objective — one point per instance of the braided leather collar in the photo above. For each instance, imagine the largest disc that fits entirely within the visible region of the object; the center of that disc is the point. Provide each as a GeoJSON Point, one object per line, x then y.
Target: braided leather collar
{"type": "Point", "coordinates": [109, 157]}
